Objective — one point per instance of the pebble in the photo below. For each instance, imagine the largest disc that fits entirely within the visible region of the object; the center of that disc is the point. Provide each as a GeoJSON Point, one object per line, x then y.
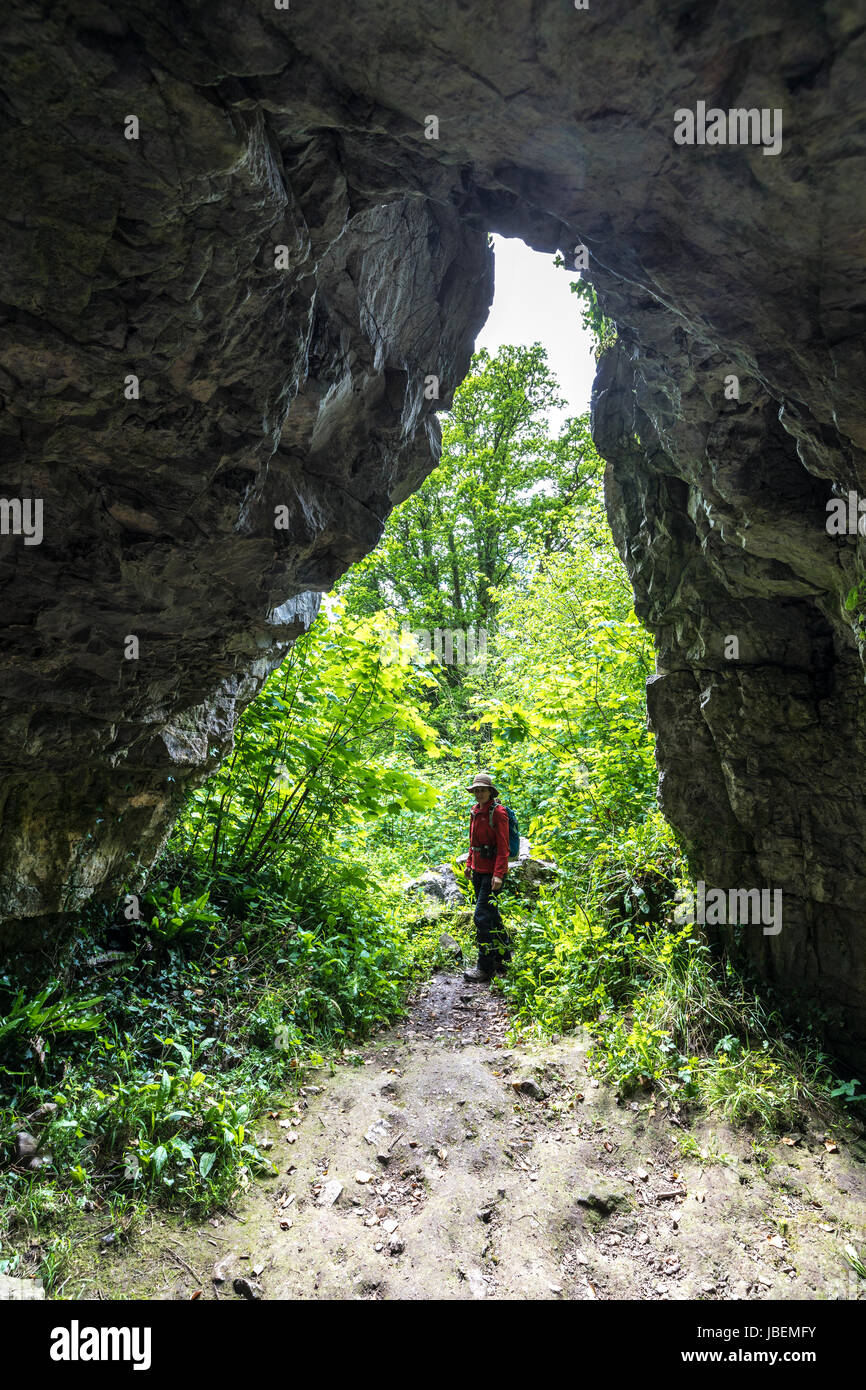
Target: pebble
{"type": "Point", "coordinates": [25, 1145]}
{"type": "Point", "coordinates": [528, 1087]}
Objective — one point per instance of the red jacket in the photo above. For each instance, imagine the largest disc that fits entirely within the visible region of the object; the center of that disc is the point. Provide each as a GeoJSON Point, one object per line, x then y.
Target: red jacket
{"type": "Point", "coordinates": [481, 834]}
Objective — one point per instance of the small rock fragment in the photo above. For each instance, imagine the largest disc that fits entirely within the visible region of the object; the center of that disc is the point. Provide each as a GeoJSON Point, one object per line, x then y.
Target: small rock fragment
{"type": "Point", "coordinates": [330, 1193]}
{"type": "Point", "coordinates": [377, 1133]}
{"type": "Point", "coordinates": [246, 1289]}
{"type": "Point", "coordinates": [42, 1112]}
{"type": "Point", "coordinates": [529, 1087]}
{"type": "Point", "coordinates": [451, 947]}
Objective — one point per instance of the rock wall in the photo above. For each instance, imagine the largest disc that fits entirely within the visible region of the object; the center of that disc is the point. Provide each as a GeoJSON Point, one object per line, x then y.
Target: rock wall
{"type": "Point", "coordinates": [297, 379]}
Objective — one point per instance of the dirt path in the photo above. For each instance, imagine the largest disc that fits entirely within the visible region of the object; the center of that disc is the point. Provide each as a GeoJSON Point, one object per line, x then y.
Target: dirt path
{"type": "Point", "coordinates": [449, 1166]}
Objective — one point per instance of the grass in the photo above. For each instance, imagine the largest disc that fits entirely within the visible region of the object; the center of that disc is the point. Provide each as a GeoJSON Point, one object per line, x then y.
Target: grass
{"type": "Point", "coordinates": [707, 1154]}
{"type": "Point", "coordinates": [154, 1074]}
{"type": "Point", "coordinates": [150, 1079]}
{"type": "Point", "coordinates": [664, 1014]}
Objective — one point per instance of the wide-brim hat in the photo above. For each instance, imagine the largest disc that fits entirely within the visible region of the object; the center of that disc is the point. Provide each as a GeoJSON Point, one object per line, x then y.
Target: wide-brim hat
{"type": "Point", "coordinates": [483, 779]}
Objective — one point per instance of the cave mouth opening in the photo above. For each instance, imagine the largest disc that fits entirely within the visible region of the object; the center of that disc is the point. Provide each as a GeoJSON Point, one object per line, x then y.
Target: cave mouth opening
{"type": "Point", "coordinates": [532, 303]}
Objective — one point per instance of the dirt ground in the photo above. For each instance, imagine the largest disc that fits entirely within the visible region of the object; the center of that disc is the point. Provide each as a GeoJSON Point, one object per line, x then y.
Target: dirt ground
{"type": "Point", "coordinates": [445, 1165]}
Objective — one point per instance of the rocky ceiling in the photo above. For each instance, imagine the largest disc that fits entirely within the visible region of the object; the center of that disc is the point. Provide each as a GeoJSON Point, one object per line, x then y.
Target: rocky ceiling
{"type": "Point", "coordinates": [227, 308]}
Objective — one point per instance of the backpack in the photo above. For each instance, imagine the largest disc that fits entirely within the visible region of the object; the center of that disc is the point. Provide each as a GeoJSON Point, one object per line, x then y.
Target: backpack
{"type": "Point", "coordinates": [513, 830]}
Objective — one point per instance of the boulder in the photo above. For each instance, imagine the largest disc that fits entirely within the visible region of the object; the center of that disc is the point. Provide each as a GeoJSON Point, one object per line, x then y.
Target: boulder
{"type": "Point", "coordinates": [439, 884]}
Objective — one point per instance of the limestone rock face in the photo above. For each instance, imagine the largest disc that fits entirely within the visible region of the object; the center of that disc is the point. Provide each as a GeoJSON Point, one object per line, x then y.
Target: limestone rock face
{"type": "Point", "coordinates": [287, 255]}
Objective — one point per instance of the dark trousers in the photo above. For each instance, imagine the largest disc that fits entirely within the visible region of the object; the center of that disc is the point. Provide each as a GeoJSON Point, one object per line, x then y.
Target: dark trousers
{"type": "Point", "coordinates": [493, 947]}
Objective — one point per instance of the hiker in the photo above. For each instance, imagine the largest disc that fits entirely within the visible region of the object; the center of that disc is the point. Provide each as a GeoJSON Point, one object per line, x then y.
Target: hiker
{"type": "Point", "coordinates": [487, 866]}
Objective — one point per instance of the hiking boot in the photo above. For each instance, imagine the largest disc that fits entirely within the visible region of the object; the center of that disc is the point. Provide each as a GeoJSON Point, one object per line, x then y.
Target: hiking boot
{"type": "Point", "coordinates": [501, 968]}
{"type": "Point", "coordinates": [476, 976]}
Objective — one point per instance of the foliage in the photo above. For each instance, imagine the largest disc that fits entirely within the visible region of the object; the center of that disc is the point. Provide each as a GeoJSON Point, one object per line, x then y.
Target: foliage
{"type": "Point", "coordinates": [602, 329]}
{"type": "Point", "coordinates": [661, 1011]}
{"type": "Point", "coordinates": [575, 742]}
{"type": "Point", "coordinates": [27, 1019]}
{"type": "Point", "coordinates": [192, 1044]}
{"type": "Point", "coordinates": [503, 487]}
{"type": "Point", "coordinates": [276, 930]}
{"type": "Point", "coordinates": [312, 752]}
{"type": "Point", "coordinates": [175, 918]}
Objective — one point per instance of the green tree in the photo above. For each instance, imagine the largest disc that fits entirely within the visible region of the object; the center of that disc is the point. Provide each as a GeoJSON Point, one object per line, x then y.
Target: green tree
{"type": "Point", "coordinates": [314, 750]}
{"type": "Point", "coordinates": [504, 488]}
{"type": "Point", "coordinates": [564, 695]}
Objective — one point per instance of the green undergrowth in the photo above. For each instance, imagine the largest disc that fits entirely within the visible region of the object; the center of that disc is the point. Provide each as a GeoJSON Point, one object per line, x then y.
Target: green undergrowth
{"type": "Point", "coordinates": [156, 1067]}
{"type": "Point", "coordinates": [600, 951]}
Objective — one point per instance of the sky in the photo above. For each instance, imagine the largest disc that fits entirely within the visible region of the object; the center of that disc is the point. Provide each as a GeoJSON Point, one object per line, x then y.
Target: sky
{"type": "Point", "coordinates": [532, 303]}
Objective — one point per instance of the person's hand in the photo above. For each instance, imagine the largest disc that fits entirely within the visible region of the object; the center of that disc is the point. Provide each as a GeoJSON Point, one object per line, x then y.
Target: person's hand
{"type": "Point", "coordinates": [496, 885]}
{"type": "Point", "coordinates": [467, 871]}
